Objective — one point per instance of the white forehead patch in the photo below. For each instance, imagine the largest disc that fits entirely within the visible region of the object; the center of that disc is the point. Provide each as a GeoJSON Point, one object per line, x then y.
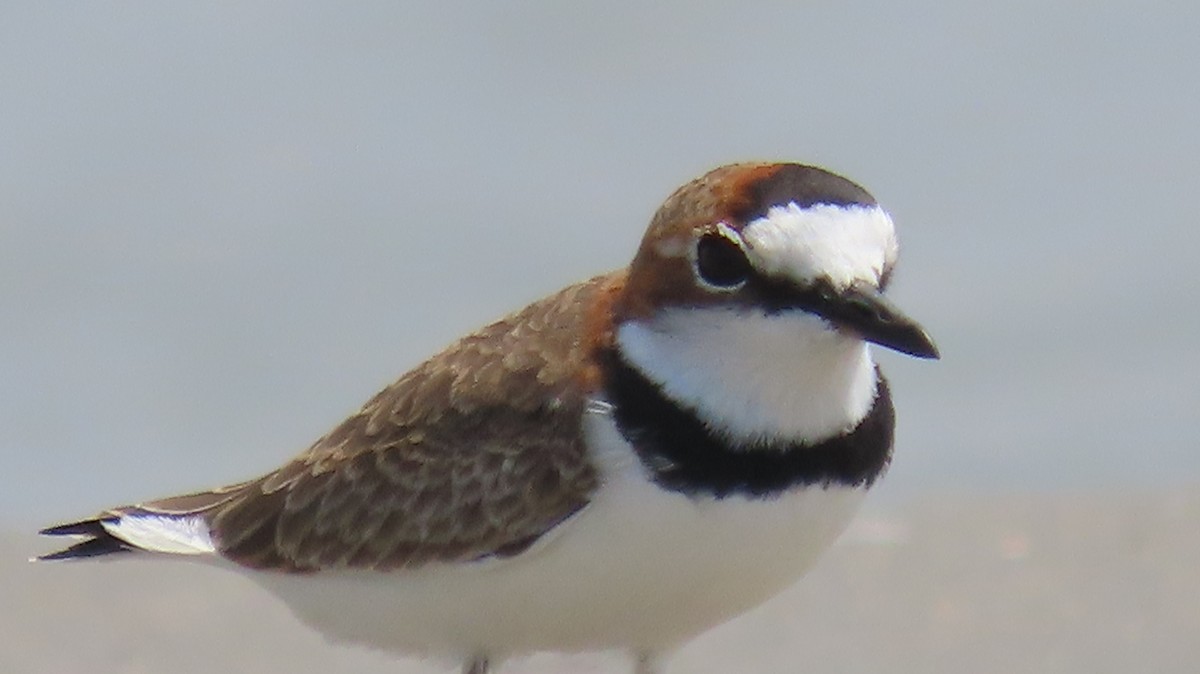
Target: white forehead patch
{"type": "Point", "coordinates": [842, 243]}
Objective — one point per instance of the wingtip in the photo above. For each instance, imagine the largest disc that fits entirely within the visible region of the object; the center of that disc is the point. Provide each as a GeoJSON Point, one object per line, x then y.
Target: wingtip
{"type": "Point", "coordinates": [88, 527]}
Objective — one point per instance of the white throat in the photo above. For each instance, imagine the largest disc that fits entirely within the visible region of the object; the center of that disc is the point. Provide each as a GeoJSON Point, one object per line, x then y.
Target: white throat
{"type": "Point", "coordinates": [753, 376]}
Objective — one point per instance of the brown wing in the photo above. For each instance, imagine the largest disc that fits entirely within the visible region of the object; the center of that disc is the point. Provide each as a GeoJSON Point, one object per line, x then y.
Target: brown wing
{"type": "Point", "coordinates": [476, 452]}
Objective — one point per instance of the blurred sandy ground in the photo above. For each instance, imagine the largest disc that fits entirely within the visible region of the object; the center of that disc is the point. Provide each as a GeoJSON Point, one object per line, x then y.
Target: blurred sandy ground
{"type": "Point", "coordinates": [1092, 582]}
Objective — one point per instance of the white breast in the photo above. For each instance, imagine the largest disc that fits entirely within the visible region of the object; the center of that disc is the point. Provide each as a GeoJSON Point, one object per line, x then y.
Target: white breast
{"type": "Point", "coordinates": [638, 568]}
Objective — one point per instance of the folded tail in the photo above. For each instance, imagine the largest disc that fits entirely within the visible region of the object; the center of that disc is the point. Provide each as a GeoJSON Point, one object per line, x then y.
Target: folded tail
{"type": "Point", "coordinates": [177, 526]}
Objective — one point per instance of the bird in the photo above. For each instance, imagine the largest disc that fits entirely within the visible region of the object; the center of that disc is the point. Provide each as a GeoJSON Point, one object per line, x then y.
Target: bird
{"type": "Point", "coordinates": [624, 464]}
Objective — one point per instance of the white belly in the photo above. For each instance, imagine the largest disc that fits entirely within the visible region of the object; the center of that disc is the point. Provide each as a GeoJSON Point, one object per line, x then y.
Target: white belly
{"type": "Point", "coordinates": [638, 568]}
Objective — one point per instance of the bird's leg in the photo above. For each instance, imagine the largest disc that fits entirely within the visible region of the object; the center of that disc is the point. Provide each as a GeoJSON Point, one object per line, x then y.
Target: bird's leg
{"type": "Point", "coordinates": [476, 665]}
{"type": "Point", "coordinates": [648, 663]}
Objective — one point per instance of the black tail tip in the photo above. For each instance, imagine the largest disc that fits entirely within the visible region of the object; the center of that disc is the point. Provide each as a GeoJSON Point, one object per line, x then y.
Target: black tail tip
{"type": "Point", "coordinates": [94, 547]}
{"type": "Point", "coordinates": [99, 541]}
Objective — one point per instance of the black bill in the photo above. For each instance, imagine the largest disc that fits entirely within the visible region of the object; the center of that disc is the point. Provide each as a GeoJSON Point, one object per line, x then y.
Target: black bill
{"type": "Point", "coordinates": [859, 309]}
{"type": "Point", "coordinates": [866, 312]}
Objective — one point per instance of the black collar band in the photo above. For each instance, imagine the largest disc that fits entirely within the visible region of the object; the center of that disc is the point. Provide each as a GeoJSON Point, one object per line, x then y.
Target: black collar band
{"type": "Point", "coordinates": [684, 455]}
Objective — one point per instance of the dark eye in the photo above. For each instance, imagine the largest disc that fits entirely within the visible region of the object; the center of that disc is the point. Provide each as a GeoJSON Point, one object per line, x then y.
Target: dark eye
{"type": "Point", "coordinates": [721, 262]}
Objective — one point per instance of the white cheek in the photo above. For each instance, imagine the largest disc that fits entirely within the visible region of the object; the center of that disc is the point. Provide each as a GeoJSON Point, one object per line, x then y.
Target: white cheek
{"type": "Point", "coordinates": [842, 243]}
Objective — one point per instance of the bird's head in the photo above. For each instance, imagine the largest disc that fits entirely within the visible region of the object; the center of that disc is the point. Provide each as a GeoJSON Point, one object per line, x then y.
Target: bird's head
{"type": "Point", "coordinates": [774, 240]}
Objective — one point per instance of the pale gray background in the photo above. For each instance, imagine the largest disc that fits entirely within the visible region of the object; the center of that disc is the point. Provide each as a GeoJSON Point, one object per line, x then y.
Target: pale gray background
{"type": "Point", "coordinates": [224, 225]}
